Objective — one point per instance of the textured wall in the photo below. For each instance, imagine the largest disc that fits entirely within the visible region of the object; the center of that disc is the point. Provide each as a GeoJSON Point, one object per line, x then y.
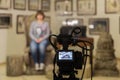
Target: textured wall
{"type": "Point", "coordinates": [15, 43]}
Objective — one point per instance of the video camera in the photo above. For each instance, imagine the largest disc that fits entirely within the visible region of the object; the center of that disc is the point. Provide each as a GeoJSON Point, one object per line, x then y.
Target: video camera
{"type": "Point", "coordinates": [67, 60]}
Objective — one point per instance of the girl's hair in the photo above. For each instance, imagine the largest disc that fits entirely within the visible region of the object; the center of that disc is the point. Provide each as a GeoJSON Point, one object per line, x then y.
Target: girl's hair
{"type": "Point", "coordinates": [40, 12]}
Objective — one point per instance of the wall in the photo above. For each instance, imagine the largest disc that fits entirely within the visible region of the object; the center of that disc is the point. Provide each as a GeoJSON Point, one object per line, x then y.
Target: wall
{"type": "Point", "coordinates": [3, 45]}
{"type": "Point", "coordinates": [10, 41]}
{"type": "Point", "coordinates": [114, 26]}
{"type": "Point", "coordinates": [16, 42]}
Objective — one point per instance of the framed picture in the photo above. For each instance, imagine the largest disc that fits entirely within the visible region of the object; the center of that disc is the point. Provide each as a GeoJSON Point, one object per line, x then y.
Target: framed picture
{"type": "Point", "coordinates": [86, 7]}
{"type": "Point", "coordinates": [33, 5]}
{"type": "Point", "coordinates": [74, 21]}
{"type": "Point", "coordinates": [47, 19]}
{"type": "Point", "coordinates": [5, 20]}
{"type": "Point", "coordinates": [20, 24]}
{"type": "Point", "coordinates": [5, 4]}
{"type": "Point", "coordinates": [112, 6]}
{"type": "Point", "coordinates": [64, 6]}
{"type": "Point", "coordinates": [19, 4]}
{"type": "Point", "coordinates": [45, 5]}
{"type": "Point", "coordinates": [98, 25]}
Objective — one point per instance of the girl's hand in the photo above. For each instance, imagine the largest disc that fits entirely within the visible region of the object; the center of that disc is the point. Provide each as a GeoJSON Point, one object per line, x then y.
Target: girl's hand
{"type": "Point", "coordinates": [37, 41]}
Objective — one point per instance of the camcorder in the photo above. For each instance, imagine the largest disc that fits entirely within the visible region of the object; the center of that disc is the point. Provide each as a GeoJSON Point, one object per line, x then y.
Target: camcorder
{"type": "Point", "coordinates": [68, 60]}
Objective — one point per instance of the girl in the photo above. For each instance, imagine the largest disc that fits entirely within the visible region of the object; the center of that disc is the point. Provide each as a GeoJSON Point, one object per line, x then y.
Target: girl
{"type": "Point", "coordinates": [39, 33]}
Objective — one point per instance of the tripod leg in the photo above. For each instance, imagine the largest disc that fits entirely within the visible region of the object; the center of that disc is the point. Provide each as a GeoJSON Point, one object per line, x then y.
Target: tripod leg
{"type": "Point", "coordinates": [91, 62]}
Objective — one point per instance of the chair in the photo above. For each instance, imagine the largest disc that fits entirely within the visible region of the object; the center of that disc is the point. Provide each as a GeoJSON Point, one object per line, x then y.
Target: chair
{"type": "Point", "coordinates": [29, 64]}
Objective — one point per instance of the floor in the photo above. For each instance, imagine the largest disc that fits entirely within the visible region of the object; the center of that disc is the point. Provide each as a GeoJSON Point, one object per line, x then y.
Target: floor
{"type": "Point", "coordinates": [41, 77]}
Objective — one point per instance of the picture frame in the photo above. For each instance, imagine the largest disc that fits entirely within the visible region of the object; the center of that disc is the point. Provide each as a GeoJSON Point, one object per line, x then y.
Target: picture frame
{"type": "Point", "coordinates": [112, 6]}
{"type": "Point", "coordinates": [64, 7]}
{"type": "Point", "coordinates": [86, 7]}
{"type": "Point", "coordinates": [5, 4]}
{"type": "Point", "coordinates": [5, 20]}
{"type": "Point", "coordinates": [19, 4]}
{"type": "Point", "coordinates": [20, 24]}
{"type": "Point", "coordinates": [98, 25]}
{"type": "Point", "coordinates": [45, 5]}
{"type": "Point", "coordinates": [33, 5]}
{"type": "Point", "coordinates": [80, 21]}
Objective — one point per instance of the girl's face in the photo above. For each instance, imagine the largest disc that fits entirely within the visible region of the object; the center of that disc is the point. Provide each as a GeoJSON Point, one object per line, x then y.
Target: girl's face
{"type": "Point", "coordinates": [40, 17]}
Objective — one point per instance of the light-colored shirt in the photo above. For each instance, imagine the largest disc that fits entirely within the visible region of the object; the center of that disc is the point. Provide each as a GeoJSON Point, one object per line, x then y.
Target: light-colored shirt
{"type": "Point", "coordinates": [39, 30]}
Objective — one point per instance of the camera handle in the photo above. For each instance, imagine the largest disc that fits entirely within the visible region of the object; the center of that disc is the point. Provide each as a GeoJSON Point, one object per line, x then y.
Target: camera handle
{"type": "Point", "coordinates": [76, 31]}
{"type": "Point", "coordinates": [53, 44]}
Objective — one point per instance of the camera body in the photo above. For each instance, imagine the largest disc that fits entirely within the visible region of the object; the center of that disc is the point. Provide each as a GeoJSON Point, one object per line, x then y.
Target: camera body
{"type": "Point", "coordinates": [68, 60]}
